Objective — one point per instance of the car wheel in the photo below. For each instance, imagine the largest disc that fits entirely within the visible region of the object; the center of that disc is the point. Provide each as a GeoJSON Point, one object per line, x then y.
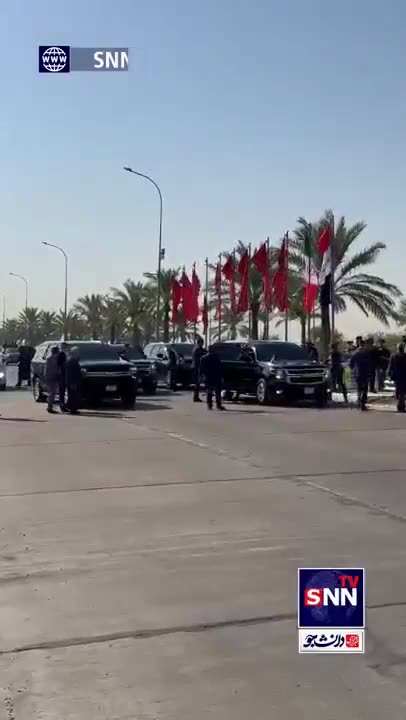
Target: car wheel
{"type": "Point", "coordinates": [128, 401]}
{"type": "Point", "coordinates": [262, 392]}
{"type": "Point", "coordinates": [322, 401]}
{"type": "Point", "coordinates": [149, 388]}
{"type": "Point", "coordinates": [2, 388]}
{"type": "Point", "coordinates": [37, 392]}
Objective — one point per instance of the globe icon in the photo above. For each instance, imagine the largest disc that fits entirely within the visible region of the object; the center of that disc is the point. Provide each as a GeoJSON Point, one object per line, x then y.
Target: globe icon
{"type": "Point", "coordinates": [54, 59]}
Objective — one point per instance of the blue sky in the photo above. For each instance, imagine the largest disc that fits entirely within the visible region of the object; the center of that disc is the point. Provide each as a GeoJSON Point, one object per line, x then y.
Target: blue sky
{"type": "Point", "coordinates": [248, 114]}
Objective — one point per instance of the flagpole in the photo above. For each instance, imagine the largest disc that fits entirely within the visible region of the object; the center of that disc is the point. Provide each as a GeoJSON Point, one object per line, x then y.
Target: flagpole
{"type": "Point", "coordinates": [249, 293]}
{"type": "Point", "coordinates": [207, 300]}
{"type": "Point", "coordinates": [309, 312]}
{"type": "Point", "coordinates": [287, 285]}
{"type": "Point", "coordinates": [219, 298]}
{"type": "Point", "coordinates": [195, 322]}
{"type": "Point", "coordinates": [266, 299]}
{"type": "Point", "coordinates": [332, 289]}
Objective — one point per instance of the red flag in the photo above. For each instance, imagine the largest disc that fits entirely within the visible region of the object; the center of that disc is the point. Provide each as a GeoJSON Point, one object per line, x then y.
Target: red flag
{"type": "Point", "coordinates": [205, 315]}
{"type": "Point", "coordinates": [260, 260]}
{"type": "Point", "coordinates": [243, 269]}
{"type": "Point", "coordinates": [176, 292]}
{"type": "Point", "coordinates": [280, 281]}
{"type": "Point", "coordinates": [229, 274]}
{"type": "Point", "coordinates": [187, 297]}
{"type": "Point", "coordinates": [217, 285]}
{"type": "Point", "coordinates": [311, 287]}
{"type": "Point", "coordinates": [323, 242]}
{"type": "Point", "coordinates": [195, 296]}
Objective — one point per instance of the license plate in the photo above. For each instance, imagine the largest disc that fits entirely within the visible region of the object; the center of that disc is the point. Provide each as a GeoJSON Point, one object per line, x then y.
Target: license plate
{"type": "Point", "coordinates": [309, 391]}
{"type": "Point", "coordinates": [111, 388]}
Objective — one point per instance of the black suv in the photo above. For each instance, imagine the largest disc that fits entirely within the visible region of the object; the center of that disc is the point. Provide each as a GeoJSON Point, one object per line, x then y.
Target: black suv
{"type": "Point", "coordinates": [147, 371]}
{"type": "Point", "coordinates": [104, 374]}
{"type": "Point", "coordinates": [182, 373]}
{"type": "Point", "coordinates": [273, 370]}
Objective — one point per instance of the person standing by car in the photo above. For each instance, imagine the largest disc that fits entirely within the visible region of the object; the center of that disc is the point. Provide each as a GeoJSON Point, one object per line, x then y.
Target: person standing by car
{"type": "Point", "coordinates": [62, 377]}
{"type": "Point", "coordinates": [397, 373]}
{"type": "Point", "coordinates": [211, 368]}
{"type": "Point", "coordinates": [172, 368]}
{"type": "Point", "coordinates": [24, 364]}
{"type": "Point", "coordinates": [312, 352]}
{"type": "Point", "coordinates": [361, 365]}
{"type": "Point", "coordinates": [198, 353]}
{"type": "Point", "coordinates": [337, 371]}
{"type": "Point", "coordinates": [383, 358]}
{"type": "Point", "coordinates": [73, 379]}
{"type": "Point", "coordinates": [52, 377]}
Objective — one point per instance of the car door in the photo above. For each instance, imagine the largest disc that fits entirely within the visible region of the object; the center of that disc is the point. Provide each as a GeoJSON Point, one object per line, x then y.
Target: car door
{"type": "Point", "coordinates": [43, 365]}
{"type": "Point", "coordinates": [160, 357]}
{"type": "Point", "coordinates": [251, 370]}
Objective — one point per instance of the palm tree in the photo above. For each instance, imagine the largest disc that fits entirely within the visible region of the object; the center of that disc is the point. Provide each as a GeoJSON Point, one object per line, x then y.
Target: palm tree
{"type": "Point", "coordinates": [11, 332]}
{"type": "Point", "coordinates": [90, 308]}
{"type": "Point", "coordinates": [166, 294]}
{"type": "Point", "coordinates": [47, 322]}
{"type": "Point", "coordinates": [29, 320]}
{"type": "Point", "coordinates": [114, 318]}
{"type": "Point", "coordinates": [134, 305]}
{"type": "Point", "coordinates": [369, 293]}
{"type": "Point", "coordinates": [401, 314]}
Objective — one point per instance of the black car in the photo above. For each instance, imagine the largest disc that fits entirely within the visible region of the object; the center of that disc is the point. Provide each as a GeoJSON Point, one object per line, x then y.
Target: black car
{"type": "Point", "coordinates": [147, 371]}
{"type": "Point", "coordinates": [182, 353]}
{"type": "Point", "coordinates": [11, 356]}
{"type": "Point", "coordinates": [273, 371]}
{"type": "Point", "coordinates": [104, 374]}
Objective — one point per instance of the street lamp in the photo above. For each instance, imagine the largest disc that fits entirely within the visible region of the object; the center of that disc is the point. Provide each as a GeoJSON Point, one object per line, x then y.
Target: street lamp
{"type": "Point", "coordinates": [65, 313]}
{"type": "Point", "coordinates": [24, 279]}
{"type": "Point", "coordinates": [160, 250]}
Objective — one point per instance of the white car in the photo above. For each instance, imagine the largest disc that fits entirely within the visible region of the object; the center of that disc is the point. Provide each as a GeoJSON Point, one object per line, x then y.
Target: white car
{"type": "Point", "coordinates": [3, 375]}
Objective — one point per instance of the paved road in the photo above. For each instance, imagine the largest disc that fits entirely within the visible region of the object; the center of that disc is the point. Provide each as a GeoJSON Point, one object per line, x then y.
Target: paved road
{"type": "Point", "coordinates": [148, 561]}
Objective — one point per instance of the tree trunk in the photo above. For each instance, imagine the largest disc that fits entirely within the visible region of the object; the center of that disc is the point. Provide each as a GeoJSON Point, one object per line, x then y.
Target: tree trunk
{"type": "Point", "coordinates": [254, 329]}
{"type": "Point", "coordinates": [166, 323]}
{"type": "Point", "coordinates": [233, 328]}
{"type": "Point", "coordinates": [112, 333]}
{"type": "Point", "coordinates": [325, 331]}
{"type": "Point", "coordinates": [303, 330]}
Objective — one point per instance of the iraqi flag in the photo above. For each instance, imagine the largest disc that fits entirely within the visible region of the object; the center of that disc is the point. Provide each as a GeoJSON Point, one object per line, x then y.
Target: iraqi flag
{"type": "Point", "coordinates": [324, 247]}
{"type": "Point", "coordinates": [311, 287]}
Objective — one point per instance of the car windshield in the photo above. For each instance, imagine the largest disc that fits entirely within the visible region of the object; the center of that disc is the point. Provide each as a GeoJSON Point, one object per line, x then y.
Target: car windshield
{"type": "Point", "coordinates": [184, 349]}
{"type": "Point", "coordinates": [232, 352]}
{"type": "Point", "coordinates": [96, 351]}
{"type": "Point", "coordinates": [280, 351]}
{"type": "Point", "coordinates": [132, 353]}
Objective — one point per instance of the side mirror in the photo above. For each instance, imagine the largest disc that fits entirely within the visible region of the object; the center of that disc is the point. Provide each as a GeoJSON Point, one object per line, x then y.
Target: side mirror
{"type": "Point", "coordinates": [160, 356]}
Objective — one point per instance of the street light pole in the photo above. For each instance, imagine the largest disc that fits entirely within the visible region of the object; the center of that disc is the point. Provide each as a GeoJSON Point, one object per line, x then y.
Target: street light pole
{"type": "Point", "coordinates": [158, 296]}
{"type": "Point", "coordinates": [65, 312]}
{"type": "Point", "coordinates": [24, 279]}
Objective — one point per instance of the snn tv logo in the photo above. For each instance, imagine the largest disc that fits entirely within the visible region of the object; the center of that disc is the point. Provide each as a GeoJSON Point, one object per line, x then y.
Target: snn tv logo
{"type": "Point", "coordinates": [339, 596]}
{"type": "Point", "coordinates": [61, 59]}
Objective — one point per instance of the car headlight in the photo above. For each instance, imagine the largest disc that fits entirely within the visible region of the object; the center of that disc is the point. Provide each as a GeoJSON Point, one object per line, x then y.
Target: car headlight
{"type": "Point", "coordinates": [154, 367]}
{"type": "Point", "coordinates": [1, 375]}
{"type": "Point", "coordinates": [280, 374]}
{"type": "Point", "coordinates": [134, 373]}
{"type": "Point", "coordinates": [326, 374]}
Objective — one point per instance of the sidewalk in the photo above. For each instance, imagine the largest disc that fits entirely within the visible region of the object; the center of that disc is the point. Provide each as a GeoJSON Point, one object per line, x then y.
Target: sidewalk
{"type": "Point", "coordinates": [386, 398]}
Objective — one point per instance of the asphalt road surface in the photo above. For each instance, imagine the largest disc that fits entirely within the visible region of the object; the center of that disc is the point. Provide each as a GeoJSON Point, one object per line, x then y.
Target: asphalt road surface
{"type": "Point", "coordinates": [148, 560]}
